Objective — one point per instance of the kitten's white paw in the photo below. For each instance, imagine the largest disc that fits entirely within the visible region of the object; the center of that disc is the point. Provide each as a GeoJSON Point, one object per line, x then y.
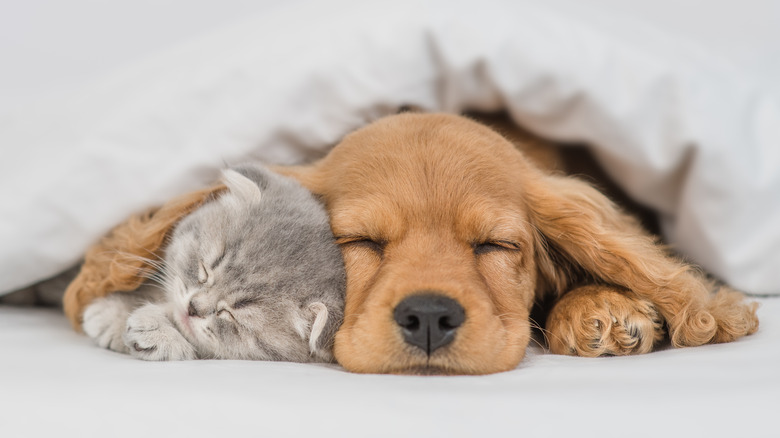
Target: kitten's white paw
{"type": "Point", "coordinates": [104, 322]}
{"type": "Point", "coordinates": [149, 335]}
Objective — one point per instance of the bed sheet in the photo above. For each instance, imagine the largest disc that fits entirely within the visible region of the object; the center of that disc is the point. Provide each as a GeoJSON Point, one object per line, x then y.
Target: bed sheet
{"type": "Point", "coordinates": [54, 382]}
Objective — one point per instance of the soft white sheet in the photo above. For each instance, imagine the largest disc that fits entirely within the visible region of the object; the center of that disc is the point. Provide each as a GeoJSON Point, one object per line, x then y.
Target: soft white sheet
{"type": "Point", "coordinates": [674, 118]}
{"type": "Point", "coordinates": [54, 382]}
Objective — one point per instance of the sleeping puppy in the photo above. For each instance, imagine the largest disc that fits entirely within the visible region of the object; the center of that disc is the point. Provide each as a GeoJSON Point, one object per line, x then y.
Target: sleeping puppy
{"type": "Point", "coordinates": [450, 234]}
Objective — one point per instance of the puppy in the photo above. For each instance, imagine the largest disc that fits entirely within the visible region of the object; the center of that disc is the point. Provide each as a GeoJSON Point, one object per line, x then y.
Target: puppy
{"type": "Point", "coordinates": [450, 234]}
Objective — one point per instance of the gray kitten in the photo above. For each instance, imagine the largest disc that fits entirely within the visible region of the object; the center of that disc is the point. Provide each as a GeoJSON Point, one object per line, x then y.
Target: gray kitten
{"type": "Point", "coordinates": [253, 274]}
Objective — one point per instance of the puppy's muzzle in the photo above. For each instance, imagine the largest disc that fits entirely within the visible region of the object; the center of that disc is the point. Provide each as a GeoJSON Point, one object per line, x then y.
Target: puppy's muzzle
{"type": "Point", "coordinates": [429, 321]}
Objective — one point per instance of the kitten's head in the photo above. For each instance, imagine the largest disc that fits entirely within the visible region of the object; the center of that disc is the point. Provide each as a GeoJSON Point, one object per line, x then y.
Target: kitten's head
{"type": "Point", "coordinates": [255, 273]}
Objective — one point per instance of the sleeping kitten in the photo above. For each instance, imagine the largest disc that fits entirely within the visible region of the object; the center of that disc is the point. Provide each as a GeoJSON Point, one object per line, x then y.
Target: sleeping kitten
{"type": "Point", "coordinates": [253, 274]}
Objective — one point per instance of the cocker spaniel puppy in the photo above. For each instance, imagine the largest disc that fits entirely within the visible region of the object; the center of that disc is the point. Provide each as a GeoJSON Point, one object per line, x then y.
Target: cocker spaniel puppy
{"type": "Point", "coordinates": [450, 234]}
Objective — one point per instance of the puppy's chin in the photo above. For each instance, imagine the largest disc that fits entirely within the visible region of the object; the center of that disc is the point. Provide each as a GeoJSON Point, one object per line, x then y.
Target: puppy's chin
{"type": "Point", "coordinates": [501, 351]}
{"type": "Point", "coordinates": [425, 371]}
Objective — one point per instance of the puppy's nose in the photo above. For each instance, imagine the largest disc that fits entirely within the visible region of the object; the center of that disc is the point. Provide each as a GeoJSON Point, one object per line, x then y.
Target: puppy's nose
{"type": "Point", "coordinates": [429, 321]}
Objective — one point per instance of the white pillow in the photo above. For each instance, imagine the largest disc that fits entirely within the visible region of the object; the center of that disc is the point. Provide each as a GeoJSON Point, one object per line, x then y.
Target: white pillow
{"type": "Point", "coordinates": [678, 131]}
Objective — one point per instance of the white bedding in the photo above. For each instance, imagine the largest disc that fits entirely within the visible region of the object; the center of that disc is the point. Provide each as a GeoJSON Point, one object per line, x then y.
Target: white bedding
{"type": "Point", "coordinates": [686, 120]}
{"type": "Point", "coordinates": [54, 382]}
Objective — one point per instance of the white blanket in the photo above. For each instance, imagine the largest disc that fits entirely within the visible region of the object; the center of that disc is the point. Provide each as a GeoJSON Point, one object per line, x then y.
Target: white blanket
{"type": "Point", "coordinates": [680, 124]}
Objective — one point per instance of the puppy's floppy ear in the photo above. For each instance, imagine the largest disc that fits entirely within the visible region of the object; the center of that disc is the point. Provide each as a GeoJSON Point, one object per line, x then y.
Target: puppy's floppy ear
{"type": "Point", "coordinates": [578, 231]}
{"type": "Point", "coordinates": [119, 261]}
{"type": "Point", "coordinates": [583, 236]}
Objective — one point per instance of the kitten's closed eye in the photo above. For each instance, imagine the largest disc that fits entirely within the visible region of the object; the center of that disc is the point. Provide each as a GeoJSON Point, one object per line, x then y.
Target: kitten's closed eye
{"type": "Point", "coordinates": [245, 302]}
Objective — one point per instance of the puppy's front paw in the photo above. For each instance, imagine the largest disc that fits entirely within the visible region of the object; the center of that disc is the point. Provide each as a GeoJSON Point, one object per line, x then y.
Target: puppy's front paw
{"type": "Point", "coordinates": [104, 322]}
{"type": "Point", "coordinates": [602, 321]}
{"type": "Point", "coordinates": [149, 335]}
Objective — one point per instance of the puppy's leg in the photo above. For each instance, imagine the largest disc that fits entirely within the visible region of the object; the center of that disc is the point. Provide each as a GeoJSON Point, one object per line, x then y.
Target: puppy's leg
{"type": "Point", "coordinates": [602, 321]}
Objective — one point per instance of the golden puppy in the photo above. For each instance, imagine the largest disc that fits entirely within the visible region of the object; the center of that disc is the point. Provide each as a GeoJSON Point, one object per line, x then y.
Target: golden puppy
{"type": "Point", "coordinates": [450, 234]}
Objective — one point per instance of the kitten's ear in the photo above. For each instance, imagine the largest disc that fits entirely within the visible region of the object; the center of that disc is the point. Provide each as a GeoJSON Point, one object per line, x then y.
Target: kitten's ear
{"type": "Point", "coordinates": [317, 326]}
{"type": "Point", "coordinates": [242, 187]}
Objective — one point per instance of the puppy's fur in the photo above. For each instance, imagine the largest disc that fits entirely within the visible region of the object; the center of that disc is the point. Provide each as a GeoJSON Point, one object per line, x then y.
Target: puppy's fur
{"type": "Point", "coordinates": [441, 204]}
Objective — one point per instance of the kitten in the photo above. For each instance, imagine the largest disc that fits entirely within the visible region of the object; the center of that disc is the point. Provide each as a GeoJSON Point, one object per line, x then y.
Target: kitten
{"type": "Point", "coordinates": [253, 274]}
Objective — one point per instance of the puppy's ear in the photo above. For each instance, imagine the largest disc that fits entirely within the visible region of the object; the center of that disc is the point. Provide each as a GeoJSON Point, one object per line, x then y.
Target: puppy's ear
{"type": "Point", "coordinates": [582, 236]}
{"type": "Point", "coordinates": [121, 260]}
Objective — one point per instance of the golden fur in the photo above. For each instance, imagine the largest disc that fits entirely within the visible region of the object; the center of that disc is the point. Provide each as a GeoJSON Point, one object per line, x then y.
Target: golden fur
{"type": "Point", "coordinates": [410, 198]}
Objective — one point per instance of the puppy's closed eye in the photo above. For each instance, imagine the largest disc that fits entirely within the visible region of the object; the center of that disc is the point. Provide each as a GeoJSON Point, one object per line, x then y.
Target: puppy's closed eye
{"type": "Point", "coordinates": [375, 246]}
{"type": "Point", "coordinates": [494, 245]}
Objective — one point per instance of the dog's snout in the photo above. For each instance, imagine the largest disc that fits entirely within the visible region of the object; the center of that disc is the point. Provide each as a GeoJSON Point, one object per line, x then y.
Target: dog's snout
{"type": "Point", "coordinates": [429, 321]}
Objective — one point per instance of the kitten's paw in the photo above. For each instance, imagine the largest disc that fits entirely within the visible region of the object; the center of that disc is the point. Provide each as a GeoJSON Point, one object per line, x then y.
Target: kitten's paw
{"type": "Point", "coordinates": [104, 322]}
{"type": "Point", "coordinates": [149, 335]}
{"type": "Point", "coordinates": [603, 321]}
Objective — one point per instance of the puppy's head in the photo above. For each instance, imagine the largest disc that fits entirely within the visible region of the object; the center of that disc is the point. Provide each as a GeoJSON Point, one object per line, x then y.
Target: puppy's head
{"type": "Point", "coordinates": [429, 213]}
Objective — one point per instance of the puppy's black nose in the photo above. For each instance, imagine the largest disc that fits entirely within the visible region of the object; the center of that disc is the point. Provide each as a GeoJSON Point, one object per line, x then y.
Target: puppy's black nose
{"type": "Point", "coordinates": [429, 321]}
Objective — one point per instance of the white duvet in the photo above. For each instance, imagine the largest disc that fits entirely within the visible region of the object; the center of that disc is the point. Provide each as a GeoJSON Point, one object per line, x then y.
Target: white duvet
{"type": "Point", "coordinates": [687, 123]}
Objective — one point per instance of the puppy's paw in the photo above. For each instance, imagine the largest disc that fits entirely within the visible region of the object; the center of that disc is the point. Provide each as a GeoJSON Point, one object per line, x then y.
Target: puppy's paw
{"type": "Point", "coordinates": [104, 322]}
{"type": "Point", "coordinates": [603, 321]}
{"type": "Point", "coordinates": [149, 335]}
{"type": "Point", "coordinates": [725, 317]}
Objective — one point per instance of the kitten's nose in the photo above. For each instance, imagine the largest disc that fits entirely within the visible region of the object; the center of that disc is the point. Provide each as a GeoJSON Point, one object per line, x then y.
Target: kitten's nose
{"type": "Point", "coordinates": [429, 321]}
{"type": "Point", "coordinates": [193, 311]}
